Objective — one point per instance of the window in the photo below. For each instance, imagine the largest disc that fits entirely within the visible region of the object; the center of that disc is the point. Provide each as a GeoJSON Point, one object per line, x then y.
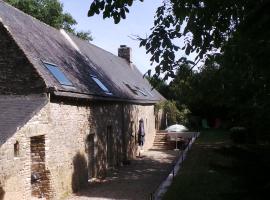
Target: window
{"type": "Point", "coordinates": [141, 91]}
{"type": "Point", "coordinates": [58, 74]}
{"type": "Point", "coordinates": [149, 93]}
{"type": "Point", "coordinates": [16, 149]}
{"type": "Point", "coordinates": [131, 89]}
{"type": "Point", "coordinates": [101, 85]}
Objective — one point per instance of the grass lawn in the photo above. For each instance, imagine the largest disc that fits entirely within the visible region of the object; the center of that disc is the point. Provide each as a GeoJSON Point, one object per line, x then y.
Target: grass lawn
{"type": "Point", "coordinates": [216, 169]}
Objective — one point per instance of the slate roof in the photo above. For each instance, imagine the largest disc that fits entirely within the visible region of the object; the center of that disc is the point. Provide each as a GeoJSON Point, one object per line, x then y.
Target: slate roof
{"type": "Point", "coordinates": [78, 61]}
{"type": "Point", "coordinates": [15, 111]}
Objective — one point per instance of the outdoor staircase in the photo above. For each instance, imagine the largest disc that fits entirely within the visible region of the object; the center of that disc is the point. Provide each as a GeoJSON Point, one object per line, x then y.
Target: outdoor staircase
{"type": "Point", "coordinates": [162, 141]}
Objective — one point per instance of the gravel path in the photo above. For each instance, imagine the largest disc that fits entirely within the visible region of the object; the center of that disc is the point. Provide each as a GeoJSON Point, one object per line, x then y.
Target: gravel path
{"type": "Point", "coordinates": [132, 182]}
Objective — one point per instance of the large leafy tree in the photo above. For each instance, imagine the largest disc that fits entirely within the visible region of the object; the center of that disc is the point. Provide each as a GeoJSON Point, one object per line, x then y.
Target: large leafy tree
{"type": "Point", "coordinates": [51, 13]}
{"type": "Point", "coordinates": [231, 37]}
{"type": "Point", "coordinates": [190, 26]}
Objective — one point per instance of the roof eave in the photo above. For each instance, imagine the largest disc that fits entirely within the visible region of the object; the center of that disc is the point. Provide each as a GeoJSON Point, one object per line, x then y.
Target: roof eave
{"type": "Point", "coordinates": [89, 97]}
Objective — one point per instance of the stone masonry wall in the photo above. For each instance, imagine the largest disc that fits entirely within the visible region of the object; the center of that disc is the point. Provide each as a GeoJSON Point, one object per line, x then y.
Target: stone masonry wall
{"type": "Point", "coordinates": [15, 171]}
{"type": "Point", "coordinates": [17, 75]}
{"type": "Point", "coordinates": [66, 129]}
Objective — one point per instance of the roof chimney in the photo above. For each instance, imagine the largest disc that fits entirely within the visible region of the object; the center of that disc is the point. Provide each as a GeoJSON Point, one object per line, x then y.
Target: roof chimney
{"type": "Point", "coordinates": [125, 52]}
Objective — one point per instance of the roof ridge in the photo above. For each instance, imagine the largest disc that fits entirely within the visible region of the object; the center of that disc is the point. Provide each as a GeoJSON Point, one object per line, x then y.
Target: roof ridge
{"type": "Point", "coordinates": [59, 30]}
{"type": "Point", "coordinates": [91, 43]}
{"type": "Point", "coordinates": [13, 7]}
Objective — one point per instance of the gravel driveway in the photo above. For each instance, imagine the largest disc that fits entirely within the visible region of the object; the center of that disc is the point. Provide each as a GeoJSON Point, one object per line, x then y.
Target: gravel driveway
{"type": "Point", "coordinates": [135, 181]}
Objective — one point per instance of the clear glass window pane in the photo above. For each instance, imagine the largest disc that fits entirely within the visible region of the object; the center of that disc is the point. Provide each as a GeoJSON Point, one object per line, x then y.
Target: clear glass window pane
{"type": "Point", "coordinates": [58, 74]}
{"type": "Point", "coordinates": [101, 85]}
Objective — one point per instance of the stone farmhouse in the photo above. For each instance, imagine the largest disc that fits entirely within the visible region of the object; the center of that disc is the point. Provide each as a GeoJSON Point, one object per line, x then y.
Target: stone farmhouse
{"type": "Point", "coordinates": [69, 110]}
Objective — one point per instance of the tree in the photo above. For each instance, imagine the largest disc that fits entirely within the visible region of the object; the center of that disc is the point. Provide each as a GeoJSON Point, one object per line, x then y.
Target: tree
{"type": "Point", "coordinates": [84, 35]}
{"type": "Point", "coordinates": [159, 85]}
{"type": "Point", "coordinates": [51, 13]}
{"type": "Point", "coordinates": [201, 26]}
{"type": "Point", "coordinates": [232, 37]}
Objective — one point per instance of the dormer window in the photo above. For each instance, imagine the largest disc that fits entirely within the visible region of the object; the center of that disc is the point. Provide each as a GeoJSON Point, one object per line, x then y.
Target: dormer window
{"type": "Point", "coordinates": [58, 74]}
{"type": "Point", "coordinates": [101, 85]}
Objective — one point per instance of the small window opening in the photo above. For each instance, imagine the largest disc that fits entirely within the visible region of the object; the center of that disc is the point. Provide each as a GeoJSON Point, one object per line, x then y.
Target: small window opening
{"type": "Point", "coordinates": [131, 89]}
{"type": "Point", "coordinates": [16, 149]}
{"type": "Point", "coordinates": [58, 74]}
{"type": "Point", "coordinates": [101, 85]}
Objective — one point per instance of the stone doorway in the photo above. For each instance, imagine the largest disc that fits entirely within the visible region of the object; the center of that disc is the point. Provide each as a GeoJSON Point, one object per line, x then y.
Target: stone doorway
{"type": "Point", "coordinates": [40, 182]}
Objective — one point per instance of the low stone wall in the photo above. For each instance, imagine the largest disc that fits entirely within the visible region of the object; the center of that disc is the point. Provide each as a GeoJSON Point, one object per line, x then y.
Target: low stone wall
{"type": "Point", "coordinates": [65, 129]}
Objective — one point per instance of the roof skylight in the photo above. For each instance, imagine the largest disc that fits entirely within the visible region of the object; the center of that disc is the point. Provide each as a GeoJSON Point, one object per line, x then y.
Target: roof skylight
{"type": "Point", "coordinates": [149, 92]}
{"type": "Point", "coordinates": [141, 91]}
{"type": "Point", "coordinates": [131, 89]}
{"type": "Point", "coordinates": [58, 74]}
{"type": "Point", "coordinates": [101, 85]}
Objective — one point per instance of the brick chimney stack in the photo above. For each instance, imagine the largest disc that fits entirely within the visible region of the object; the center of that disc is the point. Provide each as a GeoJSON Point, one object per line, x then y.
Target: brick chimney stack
{"type": "Point", "coordinates": [125, 52]}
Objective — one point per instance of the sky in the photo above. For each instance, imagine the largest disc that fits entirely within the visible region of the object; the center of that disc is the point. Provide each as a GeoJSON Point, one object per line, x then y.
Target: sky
{"type": "Point", "coordinates": [110, 36]}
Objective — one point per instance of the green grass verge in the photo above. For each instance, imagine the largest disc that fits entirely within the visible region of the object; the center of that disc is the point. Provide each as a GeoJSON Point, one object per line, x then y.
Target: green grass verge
{"type": "Point", "coordinates": [215, 169]}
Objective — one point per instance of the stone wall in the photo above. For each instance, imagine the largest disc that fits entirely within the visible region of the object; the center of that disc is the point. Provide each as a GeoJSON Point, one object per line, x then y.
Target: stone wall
{"type": "Point", "coordinates": [68, 158]}
{"type": "Point", "coordinates": [17, 75]}
{"type": "Point", "coordinates": [15, 170]}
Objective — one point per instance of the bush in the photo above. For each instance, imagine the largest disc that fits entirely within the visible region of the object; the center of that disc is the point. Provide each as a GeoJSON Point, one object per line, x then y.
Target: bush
{"type": "Point", "coordinates": [174, 114]}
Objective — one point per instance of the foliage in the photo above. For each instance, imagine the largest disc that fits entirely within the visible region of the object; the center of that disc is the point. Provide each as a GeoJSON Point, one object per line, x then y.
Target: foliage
{"type": "Point", "coordinates": [159, 85]}
{"type": "Point", "coordinates": [231, 37]}
{"type": "Point", "coordinates": [172, 113]}
{"type": "Point", "coordinates": [188, 26]}
{"type": "Point", "coordinates": [200, 91]}
{"type": "Point", "coordinates": [51, 13]}
{"type": "Point", "coordinates": [116, 9]}
{"type": "Point", "coordinates": [84, 35]}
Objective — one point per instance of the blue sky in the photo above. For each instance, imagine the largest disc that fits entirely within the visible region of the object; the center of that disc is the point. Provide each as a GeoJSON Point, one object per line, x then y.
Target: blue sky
{"type": "Point", "coordinates": [110, 36]}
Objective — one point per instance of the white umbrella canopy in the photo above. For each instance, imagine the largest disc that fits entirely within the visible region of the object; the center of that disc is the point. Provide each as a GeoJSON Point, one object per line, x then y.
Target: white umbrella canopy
{"type": "Point", "coordinates": [176, 128]}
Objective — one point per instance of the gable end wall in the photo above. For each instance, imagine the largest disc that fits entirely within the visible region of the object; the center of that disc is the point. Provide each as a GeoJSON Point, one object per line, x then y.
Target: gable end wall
{"type": "Point", "coordinates": [17, 75]}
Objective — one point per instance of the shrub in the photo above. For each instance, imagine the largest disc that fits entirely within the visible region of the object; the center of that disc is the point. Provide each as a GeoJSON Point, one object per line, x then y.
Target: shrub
{"type": "Point", "coordinates": [174, 114]}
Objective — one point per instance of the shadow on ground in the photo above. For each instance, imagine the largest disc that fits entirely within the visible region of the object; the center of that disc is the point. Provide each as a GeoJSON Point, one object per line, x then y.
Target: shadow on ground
{"type": "Point", "coordinates": [134, 181]}
{"type": "Point", "coordinates": [250, 164]}
{"type": "Point", "coordinates": [2, 193]}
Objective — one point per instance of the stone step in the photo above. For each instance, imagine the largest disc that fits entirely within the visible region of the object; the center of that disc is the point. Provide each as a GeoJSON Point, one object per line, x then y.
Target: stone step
{"type": "Point", "coordinates": [161, 134]}
{"type": "Point", "coordinates": [160, 140]}
{"type": "Point", "coordinates": [168, 148]}
{"type": "Point", "coordinates": [163, 145]}
{"type": "Point", "coordinates": [156, 138]}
